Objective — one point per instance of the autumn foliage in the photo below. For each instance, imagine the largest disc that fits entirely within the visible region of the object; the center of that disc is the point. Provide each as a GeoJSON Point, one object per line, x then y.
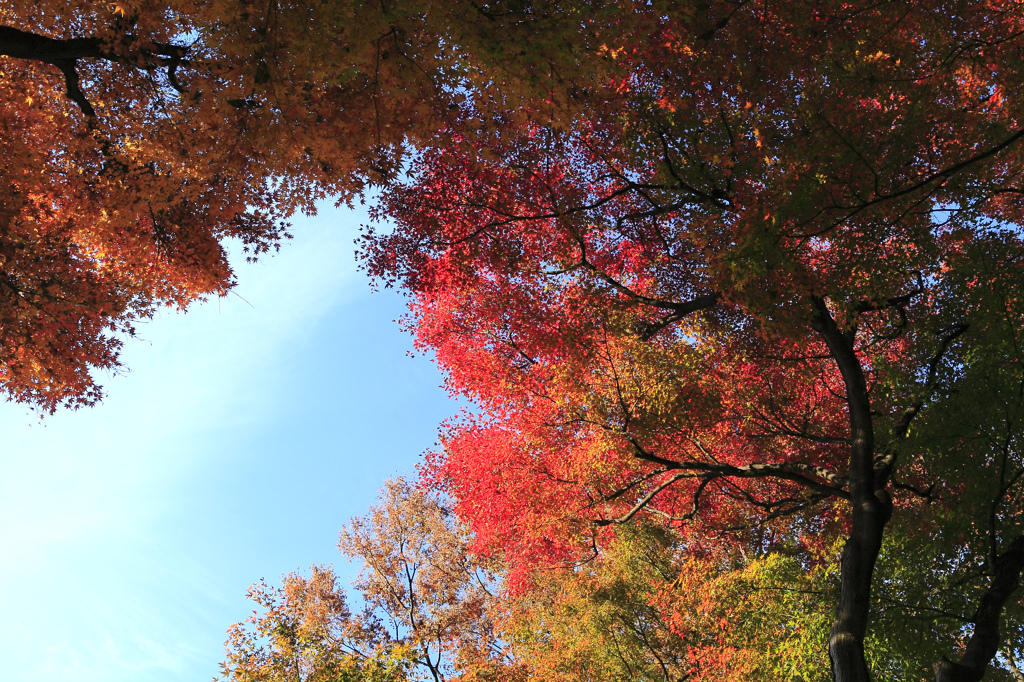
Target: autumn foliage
{"type": "Point", "coordinates": [428, 606]}
{"type": "Point", "coordinates": [743, 274]}
{"type": "Point", "coordinates": [648, 608]}
{"type": "Point", "coordinates": [142, 138]}
{"type": "Point", "coordinates": [734, 293]}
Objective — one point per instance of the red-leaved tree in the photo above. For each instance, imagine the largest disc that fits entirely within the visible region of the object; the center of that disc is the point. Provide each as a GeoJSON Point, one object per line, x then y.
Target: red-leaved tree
{"type": "Point", "coordinates": [743, 289]}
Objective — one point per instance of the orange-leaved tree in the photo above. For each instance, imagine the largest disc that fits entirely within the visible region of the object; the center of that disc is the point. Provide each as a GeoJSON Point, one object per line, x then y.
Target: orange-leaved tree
{"type": "Point", "coordinates": [139, 136]}
{"type": "Point", "coordinates": [418, 570]}
{"type": "Point", "coordinates": [428, 606]}
{"type": "Point", "coordinates": [305, 631]}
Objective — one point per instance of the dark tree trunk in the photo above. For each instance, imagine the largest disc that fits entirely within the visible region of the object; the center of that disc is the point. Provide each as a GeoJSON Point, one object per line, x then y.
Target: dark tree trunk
{"type": "Point", "coordinates": [985, 640]}
{"type": "Point", "coordinates": [871, 504]}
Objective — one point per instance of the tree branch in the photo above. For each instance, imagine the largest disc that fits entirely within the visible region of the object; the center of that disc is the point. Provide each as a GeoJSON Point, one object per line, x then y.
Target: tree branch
{"type": "Point", "coordinates": [646, 499]}
{"type": "Point", "coordinates": [985, 641]}
{"type": "Point", "coordinates": [64, 54]}
{"type": "Point", "coordinates": [647, 330]}
{"type": "Point", "coordinates": [795, 472]}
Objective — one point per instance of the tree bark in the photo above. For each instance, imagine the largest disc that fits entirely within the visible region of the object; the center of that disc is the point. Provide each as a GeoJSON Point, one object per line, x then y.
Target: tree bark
{"type": "Point", "coordinates": [985, 640]}
{"type": "Point", "coordinates": [64, 53]}
{"type": "Point", "coordinates": [24, 45]}
{"type": "Point", "coordinates": [872, 508]}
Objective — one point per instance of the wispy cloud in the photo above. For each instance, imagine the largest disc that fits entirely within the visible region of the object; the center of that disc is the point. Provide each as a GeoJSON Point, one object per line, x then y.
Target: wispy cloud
{"type": "Point", "coordinates": [128, 531]}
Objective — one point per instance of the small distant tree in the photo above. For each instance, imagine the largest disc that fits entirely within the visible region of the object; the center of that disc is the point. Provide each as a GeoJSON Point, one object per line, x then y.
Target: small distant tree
{"type": "Point", "coordinates": [436, 597]}
{"type": "Point", "coordinates": [428, 606]}
{"type": "Point", "coordinates": [304, 632]}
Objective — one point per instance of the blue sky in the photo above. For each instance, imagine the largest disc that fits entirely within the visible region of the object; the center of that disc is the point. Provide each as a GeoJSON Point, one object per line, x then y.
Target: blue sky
{"type": "Point", "coordinates": [245, 434]}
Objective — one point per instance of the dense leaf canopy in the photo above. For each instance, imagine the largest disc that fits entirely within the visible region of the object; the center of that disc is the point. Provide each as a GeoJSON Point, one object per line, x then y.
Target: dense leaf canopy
{"type": "Point", "coordinates": [141, 137]}
{"type": "Point", "coordinates": [744, 291]}
{"type": "Point", "coordinates": [743, 272]}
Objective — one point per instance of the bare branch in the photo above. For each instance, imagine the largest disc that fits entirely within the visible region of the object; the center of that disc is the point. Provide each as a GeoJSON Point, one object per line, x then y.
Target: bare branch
{"type": "Point", "coordinates": [646, 499]}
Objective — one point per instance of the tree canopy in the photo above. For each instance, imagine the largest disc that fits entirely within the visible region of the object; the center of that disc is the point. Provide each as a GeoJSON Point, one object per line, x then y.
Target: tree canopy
{"type": "Point", "coordinates": [746, 273]}
{"type": "Point", "coordinates": [141, 137]}
{"type": "Point", "coordinates": [741, 292]}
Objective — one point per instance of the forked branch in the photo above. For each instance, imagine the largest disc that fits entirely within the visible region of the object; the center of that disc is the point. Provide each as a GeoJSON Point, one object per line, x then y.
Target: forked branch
{"type": "Point", "coordinates": [65, 53]}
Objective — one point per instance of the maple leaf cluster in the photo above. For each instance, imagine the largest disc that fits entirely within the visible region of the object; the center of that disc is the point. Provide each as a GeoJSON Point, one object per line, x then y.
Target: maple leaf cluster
{"type": "Point", "coordinates": [140, 138]}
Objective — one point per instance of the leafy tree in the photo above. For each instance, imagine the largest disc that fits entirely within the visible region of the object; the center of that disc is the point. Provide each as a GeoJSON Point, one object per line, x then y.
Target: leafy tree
{"type": "Point", "coordinates": [743, 292]}
{"type": "Point", "coordinates": [644, 610]}
{"type": "Point", "coordinates": [728, 266]}
{"type": "Point", "coordinates": [428, 606]}
{"type": "Point", "coordinates": [140, 135]}
{"type": "Point", "coordinates": [306, 632]}
{"type": "Point", "coordinates": [417, 569]}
